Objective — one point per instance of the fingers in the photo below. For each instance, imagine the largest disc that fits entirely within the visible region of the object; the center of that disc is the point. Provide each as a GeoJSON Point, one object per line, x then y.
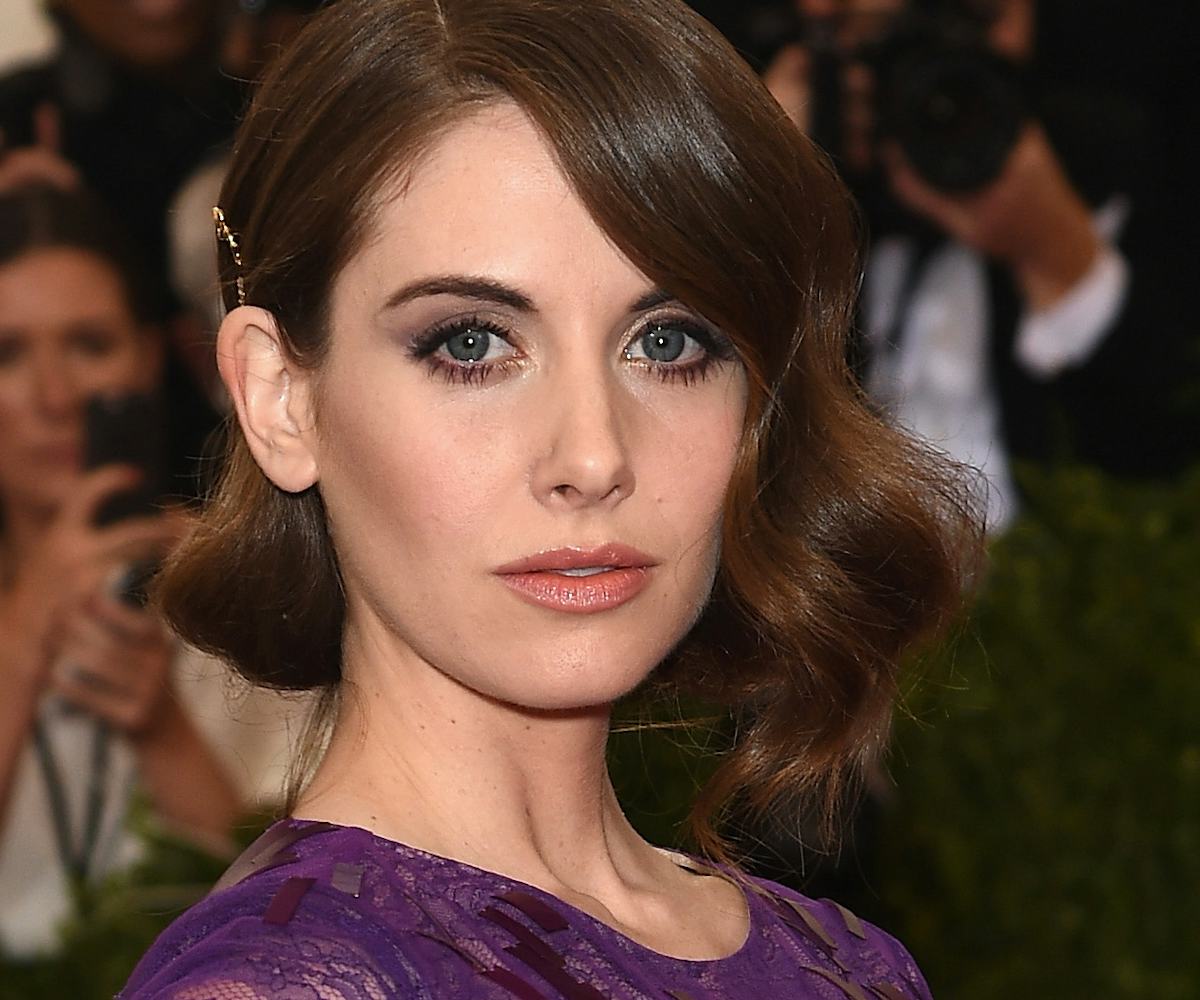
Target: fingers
{"type": "Point", "coordinates": [34, 165]}
{"type": "Point", "coordinates": [105, 620]}
{"type": "Point", "coordinates": [120, 681]}
{"type": "Point", "coordinates": [126, 624]}
{"type": "Point", "coordinates": [47, 127]}
{"type": "Point", "coordinates": [94, 488]}
{"type": "Point", "coordinates": [129, 539]}
{"type": "Point", "coordinates": [952, 214]}
{"type": "Point", "coordinates": [76, 559]}
{"type": "Point", "coordinates": [137, 538]}
{"type": "Point", "coordinates": [90, 689]}
{"type": "Point", "coordinates": [41, 163]}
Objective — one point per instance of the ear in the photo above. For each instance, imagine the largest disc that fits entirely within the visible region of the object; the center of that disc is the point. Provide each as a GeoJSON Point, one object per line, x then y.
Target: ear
{"type": "Point", "coordinates": [272, 397]}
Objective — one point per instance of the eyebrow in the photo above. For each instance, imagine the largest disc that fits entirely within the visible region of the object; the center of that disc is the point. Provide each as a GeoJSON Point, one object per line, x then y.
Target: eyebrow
{"type": "Point", "coordinates": [487, 290]}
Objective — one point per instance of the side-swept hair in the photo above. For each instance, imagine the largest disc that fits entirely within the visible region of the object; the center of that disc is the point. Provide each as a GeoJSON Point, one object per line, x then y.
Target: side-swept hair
{"type": "Point", "coordinates": [845, 542]}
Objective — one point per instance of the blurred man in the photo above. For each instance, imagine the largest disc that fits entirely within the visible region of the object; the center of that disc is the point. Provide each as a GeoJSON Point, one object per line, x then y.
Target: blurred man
{"type": "Point", "coordinates": [1012, 306]}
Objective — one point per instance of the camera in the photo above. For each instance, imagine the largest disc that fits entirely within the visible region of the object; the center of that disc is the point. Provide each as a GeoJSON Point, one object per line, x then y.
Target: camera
{"type": "Point", "coordinates": [128, 429]}
{"type": "Point", "coordinates": [953, 105]}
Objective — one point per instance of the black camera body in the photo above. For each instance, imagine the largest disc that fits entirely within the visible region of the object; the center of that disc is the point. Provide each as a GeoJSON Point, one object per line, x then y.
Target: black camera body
{"type": "Point", "coordinates": [128, 429]}
{"type": "Point", "coordinates": [953, 105]}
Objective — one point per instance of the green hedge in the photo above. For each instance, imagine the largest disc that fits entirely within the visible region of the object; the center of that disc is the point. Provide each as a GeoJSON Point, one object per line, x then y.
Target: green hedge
{"type": "Point", "coordinates": [1046, 839]}
{"type": "Point", "coordinates": [117, 921]}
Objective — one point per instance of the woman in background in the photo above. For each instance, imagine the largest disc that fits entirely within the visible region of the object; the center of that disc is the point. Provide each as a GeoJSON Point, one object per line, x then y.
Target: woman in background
{"type": "Point", "coordinates": [88, 700]}
{"type": "Point", "coordinates": [536, 333]}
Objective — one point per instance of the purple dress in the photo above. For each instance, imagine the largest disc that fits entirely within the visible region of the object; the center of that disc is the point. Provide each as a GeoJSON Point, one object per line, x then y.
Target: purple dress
{"type": "Point", "coordinates": [315, 911]}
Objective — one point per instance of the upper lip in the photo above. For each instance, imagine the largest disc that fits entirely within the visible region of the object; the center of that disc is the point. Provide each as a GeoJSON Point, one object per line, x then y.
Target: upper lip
{"type": "Point", "coordinates": [613, 555]}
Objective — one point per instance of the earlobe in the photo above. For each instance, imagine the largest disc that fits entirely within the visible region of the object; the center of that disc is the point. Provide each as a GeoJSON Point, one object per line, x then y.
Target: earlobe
{"type": "Point", "coordinates": [270, 393]}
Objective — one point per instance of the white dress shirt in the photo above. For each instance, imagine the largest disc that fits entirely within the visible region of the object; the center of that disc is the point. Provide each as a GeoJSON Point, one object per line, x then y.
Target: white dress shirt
{"type": "Point", "coordinates": [937, 383]}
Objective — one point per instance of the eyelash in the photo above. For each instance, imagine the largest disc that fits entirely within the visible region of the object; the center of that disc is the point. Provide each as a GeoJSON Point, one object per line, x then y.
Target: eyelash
{"type": "Point", "coordinates": [425, 348]}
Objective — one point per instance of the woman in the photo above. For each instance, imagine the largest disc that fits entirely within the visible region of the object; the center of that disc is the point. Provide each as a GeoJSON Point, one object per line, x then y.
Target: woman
{"type": "Point", "coordinates": [88, 703]}
{"type": "Point", "coordinates": [535, 344]}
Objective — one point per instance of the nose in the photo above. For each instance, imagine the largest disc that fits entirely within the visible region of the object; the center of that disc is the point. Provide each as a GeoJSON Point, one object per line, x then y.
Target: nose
{"type": "Point", "coordinates": [55, 390]}
{"type": "Point", "coordinates": [585, 461]}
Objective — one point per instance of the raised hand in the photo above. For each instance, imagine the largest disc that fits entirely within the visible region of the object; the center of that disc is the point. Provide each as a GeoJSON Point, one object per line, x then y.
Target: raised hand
{"type": "Point", "coordinates": [41, 163]}
{"type": "Point", "coordinates": [70, 566]}
{"type": "Point", "coordinates": [114, 662]}
{"type": "Point", "coordinates": [1030, 217]}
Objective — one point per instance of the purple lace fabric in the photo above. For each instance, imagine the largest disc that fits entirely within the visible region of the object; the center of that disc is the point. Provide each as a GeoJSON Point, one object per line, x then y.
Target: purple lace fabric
{"type": "Point", "coordinates": [315, 911]}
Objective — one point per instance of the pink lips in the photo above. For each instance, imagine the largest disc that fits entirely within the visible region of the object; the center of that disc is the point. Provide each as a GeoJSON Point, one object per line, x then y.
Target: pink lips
{"type": "Point", "coordinates": [545, 580]}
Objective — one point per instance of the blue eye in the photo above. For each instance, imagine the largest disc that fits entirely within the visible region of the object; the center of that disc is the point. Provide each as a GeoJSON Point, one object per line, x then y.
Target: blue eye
{"type": "Point", "coordinates": [468, 351]}
{"type": "Point", "coordinates": [672, 344]}
{"type": "Point", "coordinates": [469, 346]}
{"type": "Point", "coordinates": [679, 350]}
{"type": "Point", "coordinates": [663, 343]}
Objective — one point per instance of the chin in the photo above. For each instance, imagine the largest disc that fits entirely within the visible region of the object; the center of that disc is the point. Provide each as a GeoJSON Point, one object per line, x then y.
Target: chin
{"type": "Point", "coordinates": [565, 680]}
{"type": "Point", "coordinates": [574, 697]}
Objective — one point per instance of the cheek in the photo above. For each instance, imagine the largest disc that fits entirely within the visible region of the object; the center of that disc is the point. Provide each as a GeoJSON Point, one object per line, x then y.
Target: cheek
{"type": "Point", "coordinates": [12, 402]}
{"type": "Point", "coordinates": [691, 461]}
{"type": "Point", "coordinates": [18, 419]}
{"type": "Point", "coordinates": [127, 370]}
{"type": "Point", "coordinates": [427, 478]}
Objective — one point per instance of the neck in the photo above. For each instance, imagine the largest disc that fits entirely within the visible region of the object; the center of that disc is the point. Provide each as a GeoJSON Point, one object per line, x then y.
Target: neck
{"type": "Point", "coordinates": [418, 758]}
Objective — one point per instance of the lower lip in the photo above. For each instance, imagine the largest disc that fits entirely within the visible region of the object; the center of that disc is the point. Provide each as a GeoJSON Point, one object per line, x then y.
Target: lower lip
{"type": "Point", "coordinates": [579, 594]}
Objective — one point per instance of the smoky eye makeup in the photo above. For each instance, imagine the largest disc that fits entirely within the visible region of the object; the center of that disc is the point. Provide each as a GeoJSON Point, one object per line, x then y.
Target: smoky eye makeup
{"type": "Point", "coordinates": [675, 347]}
{"type": "Point", "coordinates": [679, 348]}
{"type": "Point", "coordinates": [467, 350]}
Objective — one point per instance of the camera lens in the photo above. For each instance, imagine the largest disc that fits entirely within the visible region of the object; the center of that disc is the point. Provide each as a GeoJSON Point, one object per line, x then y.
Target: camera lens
{"type": "Point", "coordinates": [956, 114]}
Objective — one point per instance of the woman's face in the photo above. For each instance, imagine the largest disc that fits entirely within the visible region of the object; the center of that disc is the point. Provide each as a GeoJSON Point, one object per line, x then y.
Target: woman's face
{"type": "Point", "coordinates": [66, 333]}
{"type": "Point", "coordinates": [523, 445]}
{"type": "Point", "coordinates": [147, 34]}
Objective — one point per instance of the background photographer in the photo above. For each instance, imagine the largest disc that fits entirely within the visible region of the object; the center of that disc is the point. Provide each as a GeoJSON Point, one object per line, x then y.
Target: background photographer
{"type": "Point", "coordinates": [91, 704]}
{"type": "Point", "coordinates": [130, 102]}
{"type": "Point", "coordinates": [1015, 305]}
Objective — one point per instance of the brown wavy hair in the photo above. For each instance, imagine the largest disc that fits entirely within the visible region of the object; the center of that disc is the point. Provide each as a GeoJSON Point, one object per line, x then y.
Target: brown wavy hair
{"type": "Point", "coordinates": [845, 542]}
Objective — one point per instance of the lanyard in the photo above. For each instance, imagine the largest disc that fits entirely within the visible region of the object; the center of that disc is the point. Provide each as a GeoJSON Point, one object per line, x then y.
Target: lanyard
{"type": "Point", "coordinates": [76, 862]}
{"type": "Point", "coordinates": [914, 270]}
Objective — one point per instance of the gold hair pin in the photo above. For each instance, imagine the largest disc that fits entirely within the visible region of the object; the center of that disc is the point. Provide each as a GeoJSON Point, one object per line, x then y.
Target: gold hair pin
{"type": "Point", "coordinates": [225, 235]}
